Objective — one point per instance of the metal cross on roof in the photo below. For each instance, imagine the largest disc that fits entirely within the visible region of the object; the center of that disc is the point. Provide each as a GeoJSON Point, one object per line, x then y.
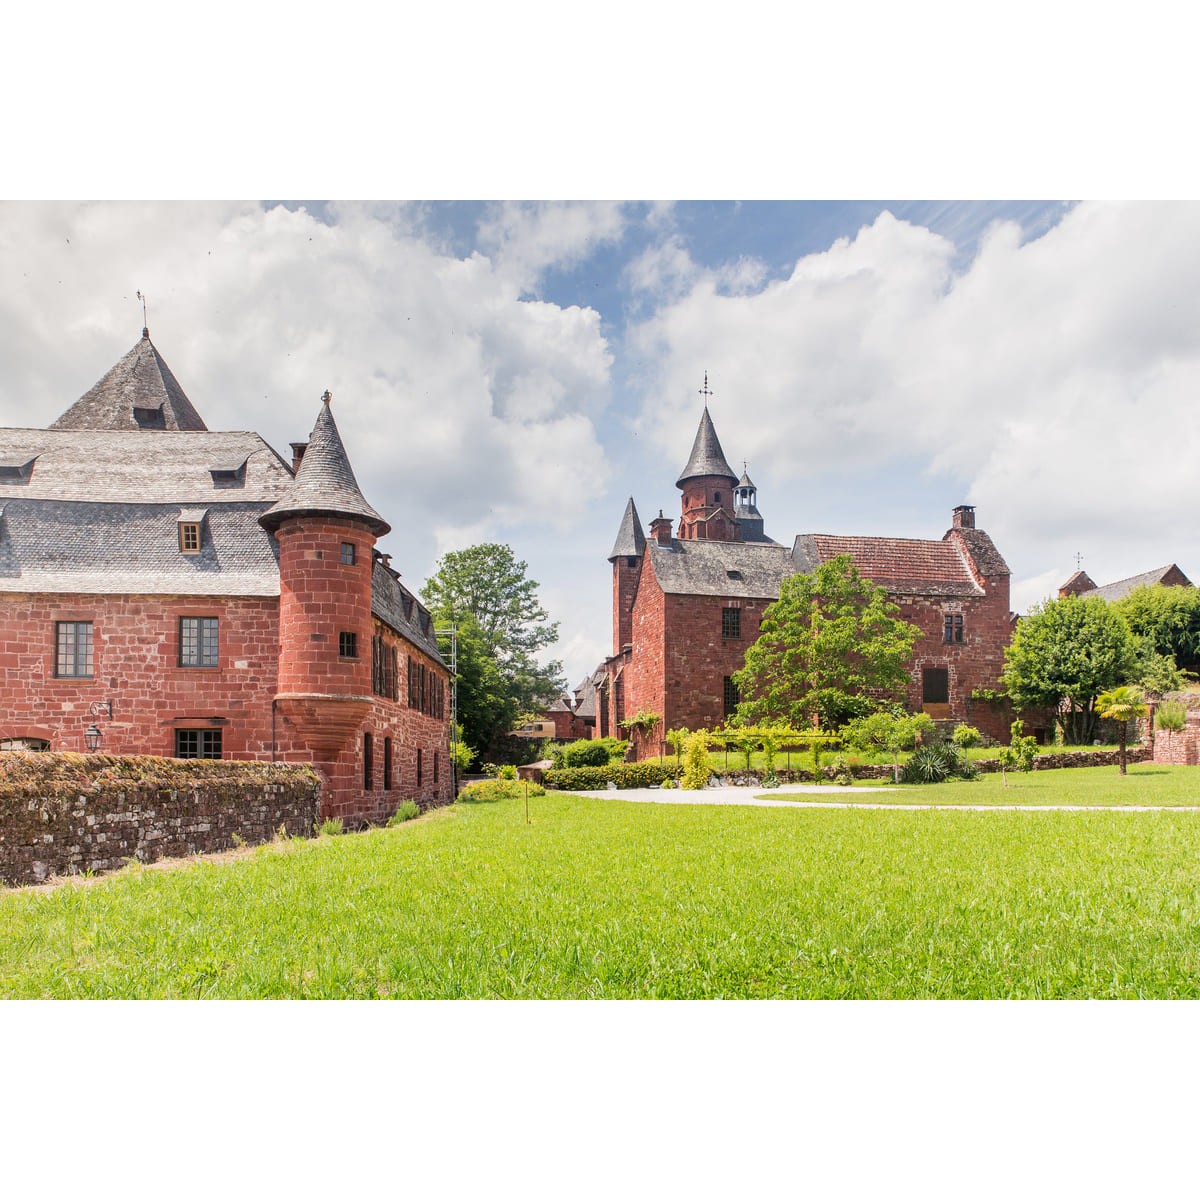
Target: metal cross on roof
{"type": "Point", "coordinates": [1078, 560]}
{"type": "Point", "coordinates": [704, 390]}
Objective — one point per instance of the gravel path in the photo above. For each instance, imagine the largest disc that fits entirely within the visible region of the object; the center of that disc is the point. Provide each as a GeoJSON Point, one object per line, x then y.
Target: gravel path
{"type": "Point", "coordinates": [749, 797]}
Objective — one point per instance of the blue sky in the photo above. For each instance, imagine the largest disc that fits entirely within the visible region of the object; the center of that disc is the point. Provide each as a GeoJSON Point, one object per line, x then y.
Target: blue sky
{"type": "Point", "coordinates": [514, 371]}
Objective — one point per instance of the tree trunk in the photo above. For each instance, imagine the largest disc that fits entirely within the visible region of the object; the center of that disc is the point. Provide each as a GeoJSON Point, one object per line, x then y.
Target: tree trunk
{"type": "Point", "coordinates": [1124, 728]}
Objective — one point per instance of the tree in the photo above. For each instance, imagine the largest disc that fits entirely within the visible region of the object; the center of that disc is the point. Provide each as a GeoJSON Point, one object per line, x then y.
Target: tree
{"type": "Point", "coordinates": [502, 626]}
{"type": "Point", "coordinates": [892, 731]}
{"type": "Point", "coordinates": [1063, 655]}
{"type": "Point", "coordinates": [1123, 704]}
{"type": "Point", "coordinates": [1169, 617]}
{"type": "Point", "coordinates": [1018, 755]}
{"type": "Point", "coordinates": [829, 649]}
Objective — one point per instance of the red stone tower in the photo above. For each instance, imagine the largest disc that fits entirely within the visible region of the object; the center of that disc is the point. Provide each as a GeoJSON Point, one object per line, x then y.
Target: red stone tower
{"type": "Point", "coordinates": [326, 533]}
{"type": "Point", "coordinates": [626, 558]}
{"type": "Point", "coordinates": [707, 484]}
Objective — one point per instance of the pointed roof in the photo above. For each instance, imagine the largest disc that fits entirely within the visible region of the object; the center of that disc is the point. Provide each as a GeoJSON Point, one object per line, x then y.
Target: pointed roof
{"type": "Point", "coordinates": [745, 482]}
{"type": "Point", "coordinates": [631, 541]}
{"type": "Point", "coordinates": [707, 456]}
{"type": "Point", "coordinates": [324, 485]}
{"type": "Point", "coordinates": [140, 392]}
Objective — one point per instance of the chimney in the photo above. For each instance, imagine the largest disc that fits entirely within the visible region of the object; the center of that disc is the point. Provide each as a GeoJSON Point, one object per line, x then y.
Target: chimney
{"type": "Point", "coordinates": [964, 516]}
{"type": "Point", "coordinates": [298, 449]}
{"type": "Point", "coordinates": [660, 529]}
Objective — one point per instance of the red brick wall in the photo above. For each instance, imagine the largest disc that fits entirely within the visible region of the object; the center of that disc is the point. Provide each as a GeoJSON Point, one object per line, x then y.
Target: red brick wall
{"type": "Point", "coordinates": [625, 582]}
{"type": "Point", "coordinates": [1181, 749]}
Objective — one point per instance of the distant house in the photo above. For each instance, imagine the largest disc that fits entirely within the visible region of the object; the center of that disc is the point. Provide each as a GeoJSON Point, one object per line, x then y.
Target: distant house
{"type": "Point", "coordinates": [1080, 584]}
{"type": "Point", "coordinates": [193, 594]}
{"type": "Point", "coordinates": [687, 605]}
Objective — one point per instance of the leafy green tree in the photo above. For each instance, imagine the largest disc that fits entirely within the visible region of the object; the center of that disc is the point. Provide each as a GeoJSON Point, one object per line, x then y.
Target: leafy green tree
{"type": "Point", "coordinates": [831, 648]}
{"type": "Point", "coordinates": [1018, 755]}
{"type": "Point", "coordinates": [502, 626]}
{"type": "Point", "coordinates": [893, 731]}
{"type": "Point", "coordinates": [1169, 617]}
{"type": "Point", "coordinates": [1063, 655]}
{"type": "Point", "coordinates": [1123, 704]}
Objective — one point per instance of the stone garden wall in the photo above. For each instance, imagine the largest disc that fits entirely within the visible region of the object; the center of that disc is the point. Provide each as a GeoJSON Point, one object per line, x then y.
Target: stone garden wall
{"type": "Point", "coordinates": [63, 814]}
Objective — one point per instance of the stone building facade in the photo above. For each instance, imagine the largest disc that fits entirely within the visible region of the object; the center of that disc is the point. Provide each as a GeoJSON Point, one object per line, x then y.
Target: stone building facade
{"type": "Point", "coordinates": [687, 603]}
{"type": "Point", "coordinates": [192, 594]}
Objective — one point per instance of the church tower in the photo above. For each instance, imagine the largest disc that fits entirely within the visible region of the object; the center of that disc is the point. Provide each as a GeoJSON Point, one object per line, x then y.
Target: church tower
{"type": "Point", "coordinates": [745, 511]}
{"type": "Point", "coordinates": [326, 533]}
{"type": "Point", "coordinates": [707, 483]}
{"type": "Point", "coordinates": [626, 558]}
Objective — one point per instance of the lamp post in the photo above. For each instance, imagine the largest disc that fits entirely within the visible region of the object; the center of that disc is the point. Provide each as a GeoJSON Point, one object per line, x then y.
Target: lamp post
{"type": "Point", "coordinates": [92, 734]}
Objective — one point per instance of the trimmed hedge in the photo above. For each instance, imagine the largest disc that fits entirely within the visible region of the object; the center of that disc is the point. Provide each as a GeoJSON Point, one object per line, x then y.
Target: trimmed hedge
{"type": "Point", "coordinates": [624, 775]}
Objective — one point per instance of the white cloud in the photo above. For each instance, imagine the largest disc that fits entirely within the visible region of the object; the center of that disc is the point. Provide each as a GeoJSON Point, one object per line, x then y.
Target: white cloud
{"type": "Point", "coordinates": [1055, 380]}
{"type": "Point", "coordinates": [461, 405]}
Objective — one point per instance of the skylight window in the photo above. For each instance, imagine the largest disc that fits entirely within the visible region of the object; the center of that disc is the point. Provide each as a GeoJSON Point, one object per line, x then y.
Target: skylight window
{"type": "Point", "coordinates": [229, 474]}
{"type": "Point", "coordinates": [734, 574]}
{"type": "Point", "coordinates": [150, 418]}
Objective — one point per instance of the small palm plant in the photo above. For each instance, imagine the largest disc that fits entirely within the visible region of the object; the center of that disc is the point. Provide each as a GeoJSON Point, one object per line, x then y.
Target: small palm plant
{"type": "Point", "coordinates": [1122, 704]}
{"type": "Point", "coordinates": [1171, 717]}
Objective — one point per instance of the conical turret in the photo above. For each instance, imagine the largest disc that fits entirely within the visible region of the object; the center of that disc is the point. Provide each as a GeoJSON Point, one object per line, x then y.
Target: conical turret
{"type": "Point", "coordinates": [631, 541]}
{"type": "Point", "coordinates": [707, 484]}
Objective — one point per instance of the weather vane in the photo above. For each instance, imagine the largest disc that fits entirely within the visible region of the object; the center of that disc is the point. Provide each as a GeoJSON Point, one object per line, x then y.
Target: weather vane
{"type": "Point", "coordinates": [145, 318]}
{"type": "Point", "coordinates": [1078, 560]}
{"type": "Point", "coordinates": [704, 390]}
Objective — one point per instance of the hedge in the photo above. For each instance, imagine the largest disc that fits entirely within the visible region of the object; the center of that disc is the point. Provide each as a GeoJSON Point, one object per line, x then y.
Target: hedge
{"type": "Point", "coordinates": [624, 775]}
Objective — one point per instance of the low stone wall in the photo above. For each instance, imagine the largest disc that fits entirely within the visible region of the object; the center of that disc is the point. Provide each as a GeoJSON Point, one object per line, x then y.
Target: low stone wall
{"type": "Point", "coordinates": [64, 814]}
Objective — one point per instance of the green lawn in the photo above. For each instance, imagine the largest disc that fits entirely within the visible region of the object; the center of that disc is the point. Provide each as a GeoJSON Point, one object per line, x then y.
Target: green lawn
{"type": "Point", "coordinates": [601, 898]}
{"type": "Point", "coordinates": [1146, 784]}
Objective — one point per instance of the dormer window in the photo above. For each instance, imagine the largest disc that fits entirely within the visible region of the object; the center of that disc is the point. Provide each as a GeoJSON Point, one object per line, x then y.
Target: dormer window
{"type": "Point", "coordinates": [734, 574]}
{"type": "Point", "coordinates": [229, 475]}
{"type": "Point", "coordinates": [18, 469]}
{"type": "Point", "coordinates": [150, 418]}
{"type": "Point", "coordinates": [191, 532]}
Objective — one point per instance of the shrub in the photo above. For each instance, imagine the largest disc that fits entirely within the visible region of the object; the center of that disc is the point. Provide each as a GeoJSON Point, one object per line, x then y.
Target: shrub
{"type": "Point", "coordinates": [406, 812]}
{"type": "Point", "coordinates": [489, 791]}
{"type": "Point", "coordinates": [585, 753]}
{"type": "Point", "coordinates": [508, 772]}
{"type": "Point", "coordinates": [965, 736]}
{"type": "Point", "coordinates": [330, 827]}
{"type": "Point", "coordinates": [624, 775]}
{"type": "Point", "coordinates": [697, 770]}
{"type": "Point", "coordinates": [936, 763]}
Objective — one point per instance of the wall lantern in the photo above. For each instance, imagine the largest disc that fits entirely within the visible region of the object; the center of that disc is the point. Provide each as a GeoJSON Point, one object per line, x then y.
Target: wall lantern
{"type": "Point", "coordinates": [92, 735]}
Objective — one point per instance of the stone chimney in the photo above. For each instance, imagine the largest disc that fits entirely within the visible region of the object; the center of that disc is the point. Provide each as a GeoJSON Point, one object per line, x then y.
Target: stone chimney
{"type": "Point", "coordinates": [660, 529]}
{"type": "Point", "coordinates": [964, 517]}
{"type": "Point", "coordinates": [298, 449]}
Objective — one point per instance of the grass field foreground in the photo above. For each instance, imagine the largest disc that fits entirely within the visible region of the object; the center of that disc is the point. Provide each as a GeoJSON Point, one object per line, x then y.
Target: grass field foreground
{"type": "Point", "coordinates": [601, 898]}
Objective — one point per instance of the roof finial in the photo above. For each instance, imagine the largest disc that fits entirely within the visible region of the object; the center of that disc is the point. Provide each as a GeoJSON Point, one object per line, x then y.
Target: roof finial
{"type": "Point", "coordinates": [145, 318]}
{"type": "Point", "coordinates": [704, 390]}
{"type": "Point", "coordinates": [327, 396]}
{"type": "Point", "coordinates": [1078, 560]}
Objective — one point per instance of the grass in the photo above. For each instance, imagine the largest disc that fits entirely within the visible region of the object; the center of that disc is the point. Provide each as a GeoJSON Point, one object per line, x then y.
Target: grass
{"type": "Point", "coordinates": [599, 898]}
{"type": "Point", "coordinates": [1146, 785]}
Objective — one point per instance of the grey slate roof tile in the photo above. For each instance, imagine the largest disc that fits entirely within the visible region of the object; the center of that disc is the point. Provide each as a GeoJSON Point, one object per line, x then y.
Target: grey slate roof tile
{"type": "Point", "coordinates": [707, 457]}
{"type": "Point", "coordinates": [1122, 587]}
{"type": "Point", "coordinates": [631, 541]}
{"type": "Point", "coordinates": [398, 608]}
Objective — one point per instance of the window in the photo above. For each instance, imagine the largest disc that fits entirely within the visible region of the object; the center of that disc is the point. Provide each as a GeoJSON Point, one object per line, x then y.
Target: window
{"type": "Point", "coordinates": [387, 764]}
{"type": "Point", "coordinates": [935, 685]}
{"type": "Point", "coordinates": [729, 697]}
{"type": "Point", "coordinates": [418, 766]}
{"type": "Point", "coordinates": [348, 553]}
{"type": "Point", "coordinates": [435, 766]}
{"type": "Point", "coordinates": [385, 669]}
{"type": "Point", "coordinates": [198, 641]}
{"type": "Point", "coordinates": [73, 652]}
{"type": "Point", "coordinates": [368, 761]}
{"type": "Point", "coordinates": [197, 743]}
{"type": "Point", "coordinates": [954, 627]}
{"type": "Point", "coordinates": [189, 537]}
{"type": "Point", "coordinates": [347, 644]}
{"type": "Point", "coordinates": [731, 622]}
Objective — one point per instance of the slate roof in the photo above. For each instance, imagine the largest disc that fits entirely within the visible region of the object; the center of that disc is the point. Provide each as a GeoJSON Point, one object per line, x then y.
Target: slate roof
{"type": "Point", "coordinates": [131, 548]}
{"type": "Point", "coordinates": [1122, 587]}
{"type": "Point", "coordinates": [141, 381]}
{"type": "Point", "coordinates": [707, 457]}
{"type": "Point", "coordinates": [700, 568]}
{"type": "Point", "coordinates": [631, 541]}
{"type": "Point", "coordinates": [397, 607]}
{"type": "Point", "coordinates": [148, 466]}
{"type": "Point", "coordinates": [586, 695]}
{"type": "Point", "coordinates": [325, 485]}
{"type": "Point", "coordinates": [904, 565]}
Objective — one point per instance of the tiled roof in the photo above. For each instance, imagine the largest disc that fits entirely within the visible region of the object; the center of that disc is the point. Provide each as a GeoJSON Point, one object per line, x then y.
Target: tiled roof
{"type": "Point", "coordinates": [73, 546]}
{"type": "Point", "coordinates": [701, 568]}
{"type": "Point", "coordinates": [325, 484]}
{"type": "Point", "coordinates": [1122, 588]}
{"type": "Point", "coordinates": [149, 466]}
{"type": "Point", "coordinates": [140, 392]}
{"type": "Point", "coordinates": [707, 457]}
{"type": "Point", "coordinates": [988, 560]}
{"type": "Point", "coordinates": [905, 565]}
{"type": "Point", "coordinates": [631, 541]}
{"type": "Point", "coordinates": [397, 607]}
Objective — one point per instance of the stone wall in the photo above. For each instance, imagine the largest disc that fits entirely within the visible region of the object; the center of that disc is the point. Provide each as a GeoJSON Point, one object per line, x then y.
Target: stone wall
{"type": "Point", "coordinates": [64, 814]}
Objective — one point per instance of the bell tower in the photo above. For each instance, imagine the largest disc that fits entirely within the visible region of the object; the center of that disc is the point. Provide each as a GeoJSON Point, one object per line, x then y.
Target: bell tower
{"type": "Point", "coordinates": [707, 483]}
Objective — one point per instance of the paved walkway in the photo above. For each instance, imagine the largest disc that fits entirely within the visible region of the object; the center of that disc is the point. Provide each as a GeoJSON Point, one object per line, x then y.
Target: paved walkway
{"type": "Point", "coordinates": [749, 797]}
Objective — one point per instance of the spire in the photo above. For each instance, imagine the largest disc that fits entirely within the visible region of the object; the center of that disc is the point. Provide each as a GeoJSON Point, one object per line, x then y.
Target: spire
{"type": "Point", "coordinates": [325, 485]}
{"type": "Point", "coordinates": [707, 456]}
{"type": "Point", "coordinates": [138, 393]}
{"type": "Point", "coordinates": [631, 541]}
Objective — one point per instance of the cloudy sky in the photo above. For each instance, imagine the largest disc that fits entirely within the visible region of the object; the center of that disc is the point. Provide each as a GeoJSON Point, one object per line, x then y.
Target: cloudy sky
{"type": "Point", "coordinates": [515, 371]}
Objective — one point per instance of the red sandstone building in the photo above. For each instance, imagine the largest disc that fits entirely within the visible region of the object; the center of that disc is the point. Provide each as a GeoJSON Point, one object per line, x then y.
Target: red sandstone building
{"type": "Point", "coordinates": [686, 605]}
{"type": "Point", "coordinates": [191, 594]}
